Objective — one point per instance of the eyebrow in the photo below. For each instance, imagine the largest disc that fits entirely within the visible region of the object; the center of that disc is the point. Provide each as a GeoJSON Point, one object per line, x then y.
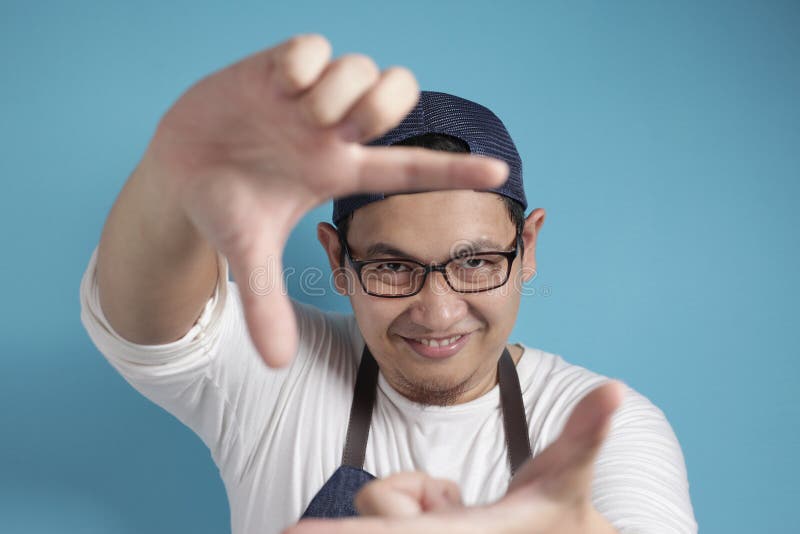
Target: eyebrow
{"type": "Point", "coordinates": [472, 245]}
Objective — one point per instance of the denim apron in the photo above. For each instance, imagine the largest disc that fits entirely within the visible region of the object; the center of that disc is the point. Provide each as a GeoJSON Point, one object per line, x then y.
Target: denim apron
{"type": "Point", "coordinates": [335, 498]}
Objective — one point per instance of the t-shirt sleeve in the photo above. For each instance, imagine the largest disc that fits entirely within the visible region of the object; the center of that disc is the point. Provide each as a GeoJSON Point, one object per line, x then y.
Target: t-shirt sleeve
{"type": "Point", "coordinates": [641, 484]}
{"type": "Point", "coordinates": [212, 379]}
{"type": "Point", "coordinates": [178, 376]}
{"type": "Point", "coordinates": [640, 480]}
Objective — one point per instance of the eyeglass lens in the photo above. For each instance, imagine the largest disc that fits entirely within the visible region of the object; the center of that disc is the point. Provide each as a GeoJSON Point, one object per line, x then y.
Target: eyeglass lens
{"type": "Point", "coordinates": [473, 273]}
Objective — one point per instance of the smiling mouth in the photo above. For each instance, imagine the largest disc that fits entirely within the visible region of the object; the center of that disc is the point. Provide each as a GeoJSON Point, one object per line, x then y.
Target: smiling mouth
{"type": "Point", "coordinates": [437, 342]}
{"type": "Point", "coordinates": [437, 348]}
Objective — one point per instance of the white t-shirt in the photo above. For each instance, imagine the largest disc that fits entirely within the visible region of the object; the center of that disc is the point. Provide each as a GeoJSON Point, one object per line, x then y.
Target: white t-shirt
{"type": "Point", "coordinates": [277, 435]}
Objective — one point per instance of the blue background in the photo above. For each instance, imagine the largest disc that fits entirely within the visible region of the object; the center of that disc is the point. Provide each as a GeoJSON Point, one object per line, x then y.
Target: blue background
{"type": "Point", "coordinates": [662, 138]}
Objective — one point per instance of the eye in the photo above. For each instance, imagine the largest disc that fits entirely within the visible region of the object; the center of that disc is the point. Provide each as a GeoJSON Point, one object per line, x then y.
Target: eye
{"type": "Point", "coordinates": [393, 267]}
{"type": "Point", "coordinates": [474, 263]}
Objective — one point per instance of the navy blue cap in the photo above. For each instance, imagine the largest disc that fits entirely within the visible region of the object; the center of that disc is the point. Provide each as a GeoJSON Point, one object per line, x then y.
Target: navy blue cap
{"type": "Point", "coordinates": [443, 113]}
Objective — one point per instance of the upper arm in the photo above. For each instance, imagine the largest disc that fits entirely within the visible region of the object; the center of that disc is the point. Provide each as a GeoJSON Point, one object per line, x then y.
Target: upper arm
{"type": "Point", "coordinates": [640, 483]}
{"type": "Point", "coordinates": [180, 376]}
{"type": "Point", "coordinates": [155, 269]}
{"type": "Point", "coordinates": [212, 379]}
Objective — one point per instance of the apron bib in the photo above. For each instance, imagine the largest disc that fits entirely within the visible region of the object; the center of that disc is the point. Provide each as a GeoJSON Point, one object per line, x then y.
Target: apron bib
{"type": "Point", "coordinates": [335, 498]}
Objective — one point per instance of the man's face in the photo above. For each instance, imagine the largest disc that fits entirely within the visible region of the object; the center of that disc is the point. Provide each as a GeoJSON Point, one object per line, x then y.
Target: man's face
{"type": "Point", "coordinates": [430, 227]}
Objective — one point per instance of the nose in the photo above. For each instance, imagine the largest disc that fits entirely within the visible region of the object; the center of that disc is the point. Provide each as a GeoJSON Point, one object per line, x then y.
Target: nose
{"type": "Point", "coordinates": [437, 306]}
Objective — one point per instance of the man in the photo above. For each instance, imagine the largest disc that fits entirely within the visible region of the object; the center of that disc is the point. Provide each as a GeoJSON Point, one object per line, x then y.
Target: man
{"type": "Point", "coordinates": [419, 387]}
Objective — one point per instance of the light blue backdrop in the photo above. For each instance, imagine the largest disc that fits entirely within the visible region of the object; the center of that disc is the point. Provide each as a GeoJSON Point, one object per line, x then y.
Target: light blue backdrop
{"type": "Point", "coordinates": [663, 138]}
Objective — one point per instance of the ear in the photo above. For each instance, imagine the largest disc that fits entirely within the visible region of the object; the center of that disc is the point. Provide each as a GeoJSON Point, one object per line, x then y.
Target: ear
{"type": "Point", "coordinates": [329, 239]}
{"type": "Point", "coordinates": [530, 231]}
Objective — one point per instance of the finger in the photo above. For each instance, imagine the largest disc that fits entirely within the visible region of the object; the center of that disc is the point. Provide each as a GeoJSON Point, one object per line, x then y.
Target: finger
{"type": "Point", "coordinates": [269, 315]}
{"type": "Point", "coordinates": [396, 496]}
{"type": "Point", "coordinates": [340, 86]}
{"type": "Point", "coordinates": [394, 169]}
{"type": "Point", "coordinates": [386, 103]}
{"type": "Point", "coordinates": [407, 494]}
{"type": "Point", "coordinates": [424, 524]}
{"type": "Point", "coordinates": [354, 526]}
{"type": "Point", "coordinates": [298, 62]}
{"type": "Point", "coordinates": [441, 494]}
{"type": "Point", "coordinates": [588, 422]}
{"type": "Point", "coordinates": [564, 469]}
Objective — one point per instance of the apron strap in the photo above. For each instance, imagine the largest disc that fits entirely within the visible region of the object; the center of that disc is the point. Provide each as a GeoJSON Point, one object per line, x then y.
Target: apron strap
{"type": "Point", "coordinates": [355, 445]}
{"type": "Point", "coordinates": [515, 422]}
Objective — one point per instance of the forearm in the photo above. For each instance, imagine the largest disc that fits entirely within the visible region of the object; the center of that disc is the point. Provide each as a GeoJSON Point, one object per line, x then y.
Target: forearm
{"type": "Point", "coordinates": [154, 270]}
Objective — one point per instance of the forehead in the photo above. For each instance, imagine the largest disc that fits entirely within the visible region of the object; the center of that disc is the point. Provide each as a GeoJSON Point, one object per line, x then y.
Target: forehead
{"type": "Point", "coordinates": [425, 222]}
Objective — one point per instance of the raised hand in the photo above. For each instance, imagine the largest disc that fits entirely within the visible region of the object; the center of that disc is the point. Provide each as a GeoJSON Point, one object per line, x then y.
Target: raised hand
{"type": "Point", "coordinates": [249, 149]}
{"type": "Point", "coordinates": [551, 494]}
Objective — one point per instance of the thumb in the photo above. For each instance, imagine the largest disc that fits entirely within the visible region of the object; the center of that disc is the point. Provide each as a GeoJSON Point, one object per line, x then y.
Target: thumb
{"type": "Point", "coordinates": [564, 470]}
{"type": "Point", "coordinates": [268, 311]}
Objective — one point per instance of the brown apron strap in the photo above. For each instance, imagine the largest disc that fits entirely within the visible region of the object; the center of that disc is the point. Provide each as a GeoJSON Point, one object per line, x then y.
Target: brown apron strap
{"type": "Point", "coordinates": [355, 445]}
{"type": "Point", "coordinates": [514, 420]}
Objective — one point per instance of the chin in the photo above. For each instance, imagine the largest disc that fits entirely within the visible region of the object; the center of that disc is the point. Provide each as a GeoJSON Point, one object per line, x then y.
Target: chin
{"type": "Point", "coordinates": [433, 390]}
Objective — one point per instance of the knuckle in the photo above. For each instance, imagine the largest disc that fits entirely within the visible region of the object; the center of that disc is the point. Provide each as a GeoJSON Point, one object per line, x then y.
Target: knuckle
{"type": "Point", "coordinates": [361, 64]}
{"type": "Point", "coordinates": [317, 40]}
{"type": "Point", "coordinates": [296, 51]}
{"type": "Point", "coordinates": [345, 81]}
{"type": "Point", "coordinates": [394, 96]}
{"type": "Point", "coordinates": [317, 44]}
{"type": "Point", "coordinates": [303, 41]}
{"type": "Point", "coordinates": [403, 73]}
{"type": "Point", "coordinates": [404, 79]}
{"type": "Point", "coordinates": [290, 50]}
{"type": "Point", "coordinates": [412, 168]}
{"type": "Point", "coordinates": [363, 498]}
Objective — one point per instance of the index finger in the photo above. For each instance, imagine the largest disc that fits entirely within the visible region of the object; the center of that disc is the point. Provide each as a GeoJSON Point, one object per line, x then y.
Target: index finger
{"type": "Point", "coordinates": [565, 467]}
{"type": "Point", "coordinates": [400, 168]}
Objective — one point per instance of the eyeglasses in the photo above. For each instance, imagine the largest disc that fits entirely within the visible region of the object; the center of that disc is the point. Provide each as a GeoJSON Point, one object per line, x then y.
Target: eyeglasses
{"type": "Point", "coordinates": [467, 272]}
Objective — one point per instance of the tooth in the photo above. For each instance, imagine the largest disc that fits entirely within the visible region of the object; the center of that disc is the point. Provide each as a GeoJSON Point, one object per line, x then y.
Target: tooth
{"type": "Point", "coordinates": [437, 343]}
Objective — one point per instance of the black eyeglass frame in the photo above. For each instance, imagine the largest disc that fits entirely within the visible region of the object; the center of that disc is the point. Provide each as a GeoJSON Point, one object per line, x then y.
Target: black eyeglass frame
{"type": "Point", "coordinates": [358, 265]}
